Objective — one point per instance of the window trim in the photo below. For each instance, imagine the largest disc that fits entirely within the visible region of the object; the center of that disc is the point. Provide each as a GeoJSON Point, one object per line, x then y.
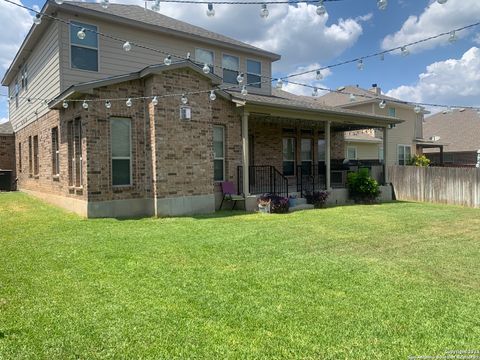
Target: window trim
{"type": "Point", "coordinates": [239, 71]}
{"type": "Point", "coordinates": [219, 158]}
{"type": "Point", "coordinates": [19, 156]}
{"type": "Point", "coordinates": [324, 146]}
{"type": "Point", "coordinates": [83, 46]}
{"type": "Point", "coordinates": [30, 156]}
{"type": "Point", "coordinates": [294, 161]}
{"type": "Point", "coordinates": [56, 152]}
{"type": "Point", "coordinates": [259, 75]}
{"type": "Point", "coordinates": [356, 152]}
{"type": "Point", "coordinates": [394, 110]}
{"type": "Point", "coordinates": [24, 77]}
{"type": "Point", "coordinates": [113, 118]}
{"type": "Point", "coordinates": [36, 156]}
{"type": "Point", "coordinates": [398, 153]}
{"type": "Point", "coordinates": [212, 68]}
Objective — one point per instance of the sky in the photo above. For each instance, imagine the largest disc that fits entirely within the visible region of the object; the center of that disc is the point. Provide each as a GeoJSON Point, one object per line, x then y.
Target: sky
{"type": "Point", "coordinates": [434, 72]}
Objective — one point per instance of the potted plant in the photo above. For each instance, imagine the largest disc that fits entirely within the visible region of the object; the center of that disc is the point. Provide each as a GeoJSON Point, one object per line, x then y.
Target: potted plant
{"type": "Point", "coordinates": [317, 198]}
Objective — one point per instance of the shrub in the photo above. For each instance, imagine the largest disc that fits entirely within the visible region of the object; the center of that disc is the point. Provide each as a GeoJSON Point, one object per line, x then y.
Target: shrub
{"type": "Point", "coordinates": [317, 198]}
{"type": "Point", "coordinates": [278, 204]}
{"type": "Point", "coordinates": [362, 187]}
{"type": "Point", "coordinates": [419, 160]}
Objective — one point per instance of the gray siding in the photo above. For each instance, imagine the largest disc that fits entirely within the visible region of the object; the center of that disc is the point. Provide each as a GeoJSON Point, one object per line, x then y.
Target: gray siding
{"type": "Point", "coordinates": [113, 60]}
{"type": "Point", "coordinates": [43, 80]}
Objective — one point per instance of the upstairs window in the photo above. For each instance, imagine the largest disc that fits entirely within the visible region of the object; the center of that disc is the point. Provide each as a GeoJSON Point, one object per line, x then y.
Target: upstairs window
{"type": "Point", "coordinates": [351, 153]}
{"type": "Point", "coordinates": [404, 153]}
{"type": "Point", "coordinates": [230, 66]}
{"type": "Point", "coordinates": [16, 90]}
{"type": "Point", "coordinates": [392, 112]}
{"type": "Point", "coordinates": [83, 52]}
{"type": "Point", "coordinates": [254, 73]}
{"type": "Point", "coordinates": [121, 130]}
{"type": "Point", "coordinates": [203, 57]}
{"type": "Point", "coordinates": [24, 78]}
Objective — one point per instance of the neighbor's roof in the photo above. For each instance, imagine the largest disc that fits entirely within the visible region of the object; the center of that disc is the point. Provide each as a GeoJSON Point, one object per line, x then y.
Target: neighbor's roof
{"type": "Point", "coordinates": [460, 130]}
{"type": "Point", "coordinates": [6, 128]}
{"type": "Point", "coordinates": [342, 96]}
{"type": "Point", "coordinates": [131, 15]}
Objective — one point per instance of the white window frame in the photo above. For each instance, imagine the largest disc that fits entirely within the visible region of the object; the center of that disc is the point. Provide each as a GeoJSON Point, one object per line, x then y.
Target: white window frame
{"type": "Point", "coordinates": [294, 161]}
{"type": "Point", "coordinates": [24, 77]}
{"type": "Point", "coordinates": [212, 65]}
{"type": "Point", "coordinates": [129, 158]}
{"type": "Point", "coordinates": [381, 153]}
{"type": "Point", "coordinates": [223, 68]}
{"type": "Point", "coordinates": [219, 158]}
{"type": "Point", "coordinates": [323, 145]}
{"type": "Point", "coordinates": [259, 75]}
{"type": "Point", "coordinates": [354, 149]}
{"type": "Point", "coordinates": [83, 46]}
{"type": "Point", "coordinates": [398, 153]}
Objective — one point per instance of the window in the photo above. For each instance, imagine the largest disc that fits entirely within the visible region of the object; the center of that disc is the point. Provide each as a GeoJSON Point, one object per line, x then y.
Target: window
{"type": "Point", "coordinates": [288, 156]}
{"type": "Point", "coordinates": [306, 156]}
{"type": "Point", "coordinates": [230, 66]}
{"type": "Point", "coordinates": [36, 165]}
{"type": "Point", "coordinates": [75, 165]}
{"type": "Point", "coordinates": [30, 156]}
{"type": "Point", "coordinates": [204, 57]}
{"type": "Point", "coordinates": [404, 154]}
{"type": "Point", "coordinates": [392, 112]}
{"type": "Point", "coordinates": [254, 73]}
{"type": "Point", "coordinates": [321, 150]}
{"type": "Point", "coordinates": [16, 91]}
{"type": "Point", "coordinates": [380, 153]}
{"type": "Point", "coordinates": [121, 133]}
{"type": "Point", "coordinates": [218, 153]}
{"type": "Point", "coordinates": [24, 77]}
{"type": "Point", "coordinates": [84, 53]}
{"type": "Point", "coordinates": [351, 153]}
{"type": "Point", "coordinates": [55, 152]}
{"type": "Point", "coordinates": [19, 157]}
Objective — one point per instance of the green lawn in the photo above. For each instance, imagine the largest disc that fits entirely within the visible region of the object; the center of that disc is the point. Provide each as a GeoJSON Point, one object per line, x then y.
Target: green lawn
{"type": "Point", "coordinates": [356, 282]}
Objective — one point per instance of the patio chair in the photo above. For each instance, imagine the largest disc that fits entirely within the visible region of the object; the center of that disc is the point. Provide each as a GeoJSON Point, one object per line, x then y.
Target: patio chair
{"type": "Point", "coordinates": [230, 193]}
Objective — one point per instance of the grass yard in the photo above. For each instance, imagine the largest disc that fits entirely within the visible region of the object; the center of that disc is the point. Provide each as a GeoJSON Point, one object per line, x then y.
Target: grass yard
{"type": "Point", "coordinates": [357, 282]}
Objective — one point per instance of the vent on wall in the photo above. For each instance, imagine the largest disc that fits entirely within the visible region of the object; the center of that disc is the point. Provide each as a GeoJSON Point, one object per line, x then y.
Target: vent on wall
{"type": "Point", "coordinates": [185, 113]}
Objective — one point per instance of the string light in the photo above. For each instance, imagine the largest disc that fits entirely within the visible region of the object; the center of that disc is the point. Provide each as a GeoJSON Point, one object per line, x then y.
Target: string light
{"type": "Point", "coordinates": [37, 19]}
{"type": "Point", "coordinates": [441, 2]}
{"type": "Point", "coordinates": [382, 57]}
{"type": "Point", "coordinates": [417, 109]}
{"type": "Point", "coordinates": [129, 102]}
{"type": "Point", "coordinates": [279, 84]}
{"type": "Point", "coordinates": [59, 2]}
{"type": "Point", "coordinates": [85, 104]}
{"type": "Point", "coordinates": [360, 65]}
{"type": "Point", "coordinates": [155, 101]}
{"type": "Point", "coordinates": [184, 99]}
{"type": "Point", "coordinates": [105, 4]}
{"type": "Point", "coordinates": [452, 37]}
{"type": "Point", "coordinates": [404, 51]}
{"type": "Point", "coordinates": [156, 6]}
{"type": "Point", "coordinates": [212, 96]}
{"type": "Point", "coordinates": [81, 34]}
{"type": "Point", "coordinates": [315, 92]}
{"type": "Point", "coordinates": [244, 91]}
{"type": "Point", "coordinates": [168, 60]}
{"type": "Point", "coordinates": [206, 68]}
{"type": "Point", "coordinates": [264, 11]}
{"type": "Point", "coordinates": [319, 75]}
{"type": "Point", "coordinates": [127, 47]}
{"type": "Point", "coordinates": [65, 104]}
{"type": "Point", "coordinates": [353, 97]}
{"type": "Point", "coordinates": [382, 4]}
{"type": "Point", "coordinates": [321, 10]}
{"type": "Point", "coordinates": [383, 104]}
{"type": "Point", "coordinates": [210, 10]}
{"type": "Point", "coordinates": [240, 78]}
{"type": "Point", "coordinates": [108, 104]}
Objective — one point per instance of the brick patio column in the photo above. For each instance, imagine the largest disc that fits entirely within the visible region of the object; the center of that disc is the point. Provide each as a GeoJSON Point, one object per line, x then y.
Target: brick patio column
{"type": "Point", "coordinates": [385, 155]}
{"type": "Point", "coordinates": [245, 155]}
{"type": "Point", "coordinates": [328, 153]}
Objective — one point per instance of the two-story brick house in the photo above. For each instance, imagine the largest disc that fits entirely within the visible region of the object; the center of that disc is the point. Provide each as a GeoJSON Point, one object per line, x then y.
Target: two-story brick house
{"type": "Point", "coordinates": [106, 132]}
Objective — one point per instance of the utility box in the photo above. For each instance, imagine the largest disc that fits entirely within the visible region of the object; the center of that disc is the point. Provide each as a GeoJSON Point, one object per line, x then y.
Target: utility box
{"type": "Point", "coordinates": [6, 183]}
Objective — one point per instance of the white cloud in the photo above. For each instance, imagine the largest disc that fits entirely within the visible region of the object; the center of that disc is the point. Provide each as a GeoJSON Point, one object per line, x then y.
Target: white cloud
{"type": "Point", "coordinates": [435, 19]}
{"type": "Point", "coordinates": [476, 39]}
{"type": "Point", "coordinates": [3, 120]}
{"type": "Point", "coordinates": [16, 22]}
{"type": "Point", "coordinates": [306, 79]}
{"type": "Point", "coordinates": [449, 82]}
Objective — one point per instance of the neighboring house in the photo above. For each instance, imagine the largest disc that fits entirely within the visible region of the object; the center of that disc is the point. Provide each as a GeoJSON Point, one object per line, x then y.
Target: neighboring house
{"type": "Point", "coordinates": [144, 158]}
{"type": "Point", "coordinates": [459, 131]}
{"type": "Point", "coordinates": [405, 139]}
{"type": "Point", "coordinates": [7, 147]}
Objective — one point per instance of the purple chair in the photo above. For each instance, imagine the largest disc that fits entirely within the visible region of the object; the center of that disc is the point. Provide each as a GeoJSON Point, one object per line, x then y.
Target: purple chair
{"type": "Point", "coordinates": [230, 193]}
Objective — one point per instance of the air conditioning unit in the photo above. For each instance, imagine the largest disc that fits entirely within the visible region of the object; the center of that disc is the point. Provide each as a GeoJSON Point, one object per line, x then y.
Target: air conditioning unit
{"type": "Point", "coordinates": [185, 113]}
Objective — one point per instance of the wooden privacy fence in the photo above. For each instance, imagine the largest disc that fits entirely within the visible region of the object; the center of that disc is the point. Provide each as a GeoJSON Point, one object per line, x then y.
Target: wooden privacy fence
{"type": "Point", "coordinates": [456, 186]}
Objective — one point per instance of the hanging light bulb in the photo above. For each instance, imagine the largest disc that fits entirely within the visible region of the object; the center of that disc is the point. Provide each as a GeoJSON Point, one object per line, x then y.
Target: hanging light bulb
{"type": "Point", "coordinates": [240, 78]}
{"type": "Point", "coordinates": [184, 100]}
{"type": "Point", "coordinates": [383, 104]}
{"type": "Point", "coordinates": [382, 57]}
{"type": "Point", "coordinates": [417, 109]}
{"type": "Point", "coordinates": [37, 19]}
{"type": "Point", "coordinates": [59, 2]}
{"type": "Point", "coordinates": [244, 91]}
{"type": "Point", "coordinates": [279, 84]}
{"type": "Point", "coordinates": [81, 34]}
{"type": "Point", "coordinates": [127, 47]}
{"type": "Point", "coordinates": [210, 10]}
{"type": "Point", "coordinates": [404, 51]}
{"type": "Point", "coordinates": [206, 68]}
{"type": "Point", "coordinates": [453, 37]}
{"type": "Point", "coordinates": [319, 75]}
{"type": "Point", "coordinates": [382, 4]}
{"type": "Point", "coordinates": [155, 101]}
{"type": "Point", "coordinates": [129, 102]}
{"type": "Point", "coordinates": [360, 65]}
{"type": "Point", "coordinates": [441, 2]}
{"type": "Point", "coordinates": [212, 96]}
{"type": "Point", "coordinates": [315, 92]}
{"type": "Point", "coordinates": [168, 60]}
{"type": "Point", "coordinates": [264, 11]}
{"type": "Point", "coordinates": [85, 104]}
{"type": "Point", "coordinates": [156, 6]}
{"type": "Point", "coordinates": [65, 104]}
{"type": "Point", "coordinates": [105, 4]}
{"type": "Point", "coordinates": [108, 104]}
{"type": "Point", "coordinates": [353, 97]}
{"type": "Point", "coordinates": [321, 10]}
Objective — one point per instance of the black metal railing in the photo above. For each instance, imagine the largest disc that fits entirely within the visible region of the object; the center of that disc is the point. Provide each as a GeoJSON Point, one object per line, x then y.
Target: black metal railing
{"type": "Point", "coordinates": [310, 178]}
{"type": "Point", "coordinates": [263, 179]}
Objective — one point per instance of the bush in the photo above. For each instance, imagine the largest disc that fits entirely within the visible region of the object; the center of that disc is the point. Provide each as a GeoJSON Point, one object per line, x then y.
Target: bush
{"type": "Point", "coordinates": [278, 204]}
{"type": "Point", "coordinates": [317, 198]}
{"type": "Point", "coordinates": [362, 187]}
{"type": "Point", "coordinates": [419, 160]}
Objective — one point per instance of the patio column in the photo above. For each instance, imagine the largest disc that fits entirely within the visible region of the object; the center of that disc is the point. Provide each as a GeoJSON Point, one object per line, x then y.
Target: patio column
{"type": "Point", "coordinates": [245, 155]}
{"type": "Point", "coordinates": [385, 155]}
{"type": "Point", "coordinates": [328, 173]}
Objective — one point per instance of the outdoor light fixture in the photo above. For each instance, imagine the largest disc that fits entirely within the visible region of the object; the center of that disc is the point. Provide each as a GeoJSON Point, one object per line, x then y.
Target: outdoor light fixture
{"type": "Point", "coordinates": [244, 91]}
{"type": "Point", "coordinates": [383, 104]}
{"type": "Point", "coordinates": [129, 102]}
{"type": "Point", "coordinates": [85, 104]}
{"type": "Point", "coordinates": [206, 68]}
{"type": "Point", "coordinates": [212, 96]}
{"type": "Point", "coordinates": [155, 101]}
{"type": "Point", "coordinates": [127, 47]}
